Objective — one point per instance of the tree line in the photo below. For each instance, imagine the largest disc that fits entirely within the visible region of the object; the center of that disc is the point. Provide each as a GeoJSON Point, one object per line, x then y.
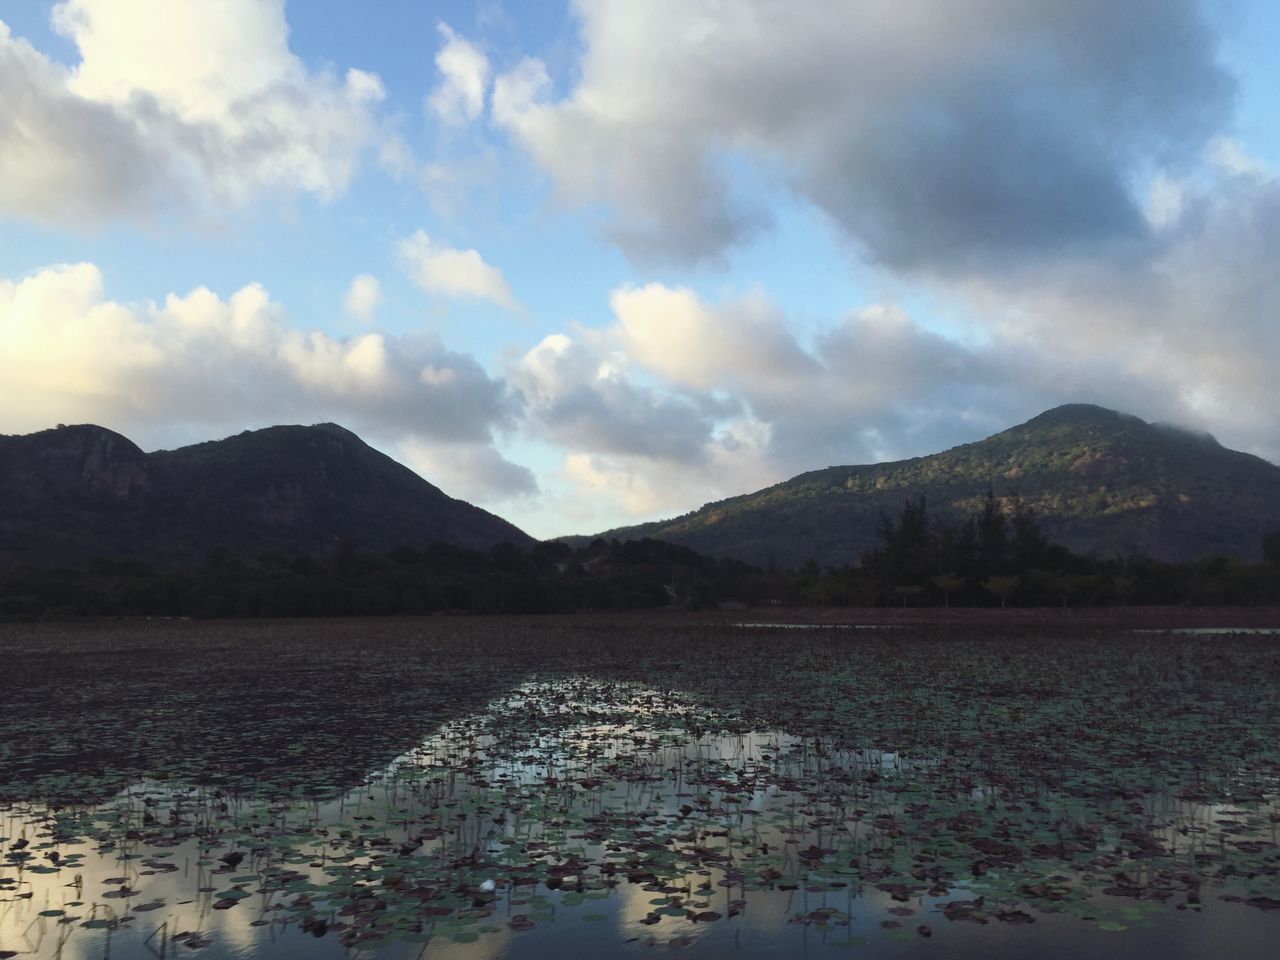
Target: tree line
{"type": "Point", "coordinates": [999, 556]}
{"type": "Point", "coordinates": [550, 577]}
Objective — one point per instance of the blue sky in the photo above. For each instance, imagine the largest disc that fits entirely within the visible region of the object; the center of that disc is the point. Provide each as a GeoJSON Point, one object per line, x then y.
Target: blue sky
{"type": "Point", "coordinates": [588, 264]}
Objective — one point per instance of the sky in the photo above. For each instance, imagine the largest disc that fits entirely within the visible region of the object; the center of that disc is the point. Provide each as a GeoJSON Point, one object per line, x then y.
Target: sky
{"type": "Point", "coordinates": [592, 263]}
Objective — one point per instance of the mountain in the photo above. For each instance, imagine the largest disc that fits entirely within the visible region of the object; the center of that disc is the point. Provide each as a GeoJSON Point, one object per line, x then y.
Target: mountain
{"type": "Point", "coordinates": [1096, 481]}
{"type": "Point", "coordinates": [75, 493]}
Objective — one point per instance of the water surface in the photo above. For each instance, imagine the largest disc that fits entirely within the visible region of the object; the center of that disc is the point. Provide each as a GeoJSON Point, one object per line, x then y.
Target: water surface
{"type": "Point", "coordinates": [525, 788]}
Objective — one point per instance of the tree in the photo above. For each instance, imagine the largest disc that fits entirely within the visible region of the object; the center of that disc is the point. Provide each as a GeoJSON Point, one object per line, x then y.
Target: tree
{"type": "Point", "coordinates": [1030, 547]}
{"type": "Point", "coordinates": [1124, 588]}
{"type": "Point", "coordinates": [907, 590]}
{"type": "Point", "coordinates": [1271, 549]}
{"type": "Point", "coordinates": [948, 583]}
{"type": "Point", "coordinates": [1002, 587]}
{"type": "Point", "coordinates": [344, 554]}
{"type": "Point", "coordinates": [992, 538]}
{"type": "Point", "coordinates": [1064, 586]}
{"type": "Point", "coordinates": [904, 558]}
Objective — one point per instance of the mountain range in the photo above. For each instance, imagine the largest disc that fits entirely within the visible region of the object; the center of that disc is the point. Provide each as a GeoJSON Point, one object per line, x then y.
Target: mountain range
{"type": "Point", "coordinates": [1095, 480]}
{"type": "Point", "coordinates": [75, 493]}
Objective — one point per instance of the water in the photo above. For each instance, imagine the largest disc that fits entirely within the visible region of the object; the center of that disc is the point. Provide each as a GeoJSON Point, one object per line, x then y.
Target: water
{"type": "Point", "coordinates": [686, 792]}
{"type": "Point", "coordinates": [1213, 631]}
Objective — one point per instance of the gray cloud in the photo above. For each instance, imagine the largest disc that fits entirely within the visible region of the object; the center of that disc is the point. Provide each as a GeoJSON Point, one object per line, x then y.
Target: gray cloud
{"type": "Point", "coordinates": [838, 400]}
{"type": "Point", "coordinates": [758, 405]}
{"type": "Point", "coordinates": [683, 401]}
{"type": "Point", "coordinates": [576, 395]}
{"type": "Point", "coordinates": [474, 471]}
{"type": "Point", "coordinates": [1187, 334]}
{"type": "Point", "coordinates": [938, 136]}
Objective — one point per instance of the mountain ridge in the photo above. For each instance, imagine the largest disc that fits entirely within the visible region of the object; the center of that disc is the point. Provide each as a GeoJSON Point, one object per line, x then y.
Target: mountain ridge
{"type": "Point", "coordinates": [73, 493]}
{"type": "Point", "coordinates": [1097, 480]}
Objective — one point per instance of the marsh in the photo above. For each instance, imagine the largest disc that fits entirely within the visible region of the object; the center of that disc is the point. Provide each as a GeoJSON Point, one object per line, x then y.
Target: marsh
{"type": "Point", "coordinates": [517, 787]}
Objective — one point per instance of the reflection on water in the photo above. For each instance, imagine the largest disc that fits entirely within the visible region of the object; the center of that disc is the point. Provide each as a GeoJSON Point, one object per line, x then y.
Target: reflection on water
{"type": "Point", "coordinates": [1214, 631]}
{"type": "Point", "coordinates": [598, 789]}
{"type": "Point", "coordinates": [784, 625]}
{"type": "Point", "coordinates": [605, 812]}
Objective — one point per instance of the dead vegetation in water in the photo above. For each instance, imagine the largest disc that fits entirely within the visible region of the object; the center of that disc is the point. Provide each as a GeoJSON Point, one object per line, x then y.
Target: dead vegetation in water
{"type": "Point", "coordinates": [446, 778]}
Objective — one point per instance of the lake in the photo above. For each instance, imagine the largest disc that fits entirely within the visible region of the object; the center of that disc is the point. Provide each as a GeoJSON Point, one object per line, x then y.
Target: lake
{"type": "Point", "coordinates": [527, 787]}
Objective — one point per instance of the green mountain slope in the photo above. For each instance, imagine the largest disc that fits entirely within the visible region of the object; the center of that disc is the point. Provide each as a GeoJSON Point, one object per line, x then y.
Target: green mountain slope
{"type": "Point", "coordinates": [1096, 480]}
{"type": "Point", "coordinates": [75, 493]}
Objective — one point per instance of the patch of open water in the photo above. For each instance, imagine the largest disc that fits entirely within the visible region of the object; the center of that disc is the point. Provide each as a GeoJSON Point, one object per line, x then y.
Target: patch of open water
{"type": "Point", "coordinates": [583, 815]}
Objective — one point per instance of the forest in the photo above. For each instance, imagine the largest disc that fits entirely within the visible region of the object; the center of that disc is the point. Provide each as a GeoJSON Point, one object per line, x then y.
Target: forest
{"type": "Point", "coordinates": [998, 557]}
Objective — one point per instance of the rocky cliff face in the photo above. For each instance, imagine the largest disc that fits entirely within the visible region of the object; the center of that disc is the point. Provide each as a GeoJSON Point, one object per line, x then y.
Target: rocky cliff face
{"type": "Point", "coordinates": [83, 463]}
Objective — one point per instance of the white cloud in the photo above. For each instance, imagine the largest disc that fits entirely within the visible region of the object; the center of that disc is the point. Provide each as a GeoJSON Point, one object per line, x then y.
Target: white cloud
{"type": "Point", "coordinates": [396, 157]}
{"type": "Point", "coordinates": [159, 371]}
{"type": "Point", "coordinates": [1231, 157]}
{"type": "Point", "coordinates": [173, 104]}
{"type": "Point", "coordinates": [743, 344]}
{"type": "Point", "coordinates": [612, 479]}
{"type": "Point", "coordinates": [459, 97]}
{"type": "Point", "coordinates": [1164, 201]}
{"type": "Point", "coordinates": [363, 297]}
{"type": "Point", "coordinates": [444, 271]}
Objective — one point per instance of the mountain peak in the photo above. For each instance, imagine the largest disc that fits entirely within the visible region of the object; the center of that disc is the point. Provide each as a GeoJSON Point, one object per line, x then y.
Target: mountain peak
{"type": "Point", "coordinates": [76, 433]}
{"type": "Point", "coordinates": [82, 492]}
{"type": "Point", "coordinates": [336, 429]}
{"type": "Point", "coordinates": [1088, 416]}
{"type": "Point", "coordinates": [1096, 479]}
{"type": "Point", "coordinates": [1076, 412]}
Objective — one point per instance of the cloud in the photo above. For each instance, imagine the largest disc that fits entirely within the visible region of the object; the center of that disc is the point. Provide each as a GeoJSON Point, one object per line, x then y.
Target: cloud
{"type": "Point", "coordinates": [459, 97]}
{"type": "Point", "coordinates": [478, 469]}
{"type": "Point", "coordinates": [447, 272]}
{"type": "Point", "coordinates": [822, 400]}
{"type": "Point", "coordinates": [1185, 333]}
{"type": "Point", "coordinates": [744, 345]}
{"type": "Point", "coordinates": [728, 398]}
{"type": "Point", "coordinates": [939, 137]}
{"type": "Point", "coordinates": [63, 157]}
{"type": "Point", "coordinates": [173, 105]}
{"type": "Point", "coordinates": [681, 401]}
{"type": "Point", "coordinates": [581, 397]}
{"type": "Point", "coordinates": [197, 363]}
{"type": "Point", "coordinates": [363, 297]}
{"type": "Point", "coordinates": [642, 488]}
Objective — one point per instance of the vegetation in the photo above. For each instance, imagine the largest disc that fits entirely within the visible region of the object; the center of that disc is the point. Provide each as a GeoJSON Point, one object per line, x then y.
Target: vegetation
{"type": "Point", "coordinates": [1098, 481]}
{"type": "Point", "coordinates": [244, 527]}
{"type": "Point", "coordinates": [999, 556]}
{"type": "Point", "coordinates": [78, 493]}
{"type": "Point", "coordinates": [251, 787]}
{"type": "Point", "coordinates": [547, 578]}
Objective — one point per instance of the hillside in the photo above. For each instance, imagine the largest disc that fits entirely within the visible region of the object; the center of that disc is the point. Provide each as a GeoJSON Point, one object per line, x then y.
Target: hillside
{"type": "Point", "coordinates": [75, 493]}
{"type": "Point", "coordinates": [1097, 481]}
